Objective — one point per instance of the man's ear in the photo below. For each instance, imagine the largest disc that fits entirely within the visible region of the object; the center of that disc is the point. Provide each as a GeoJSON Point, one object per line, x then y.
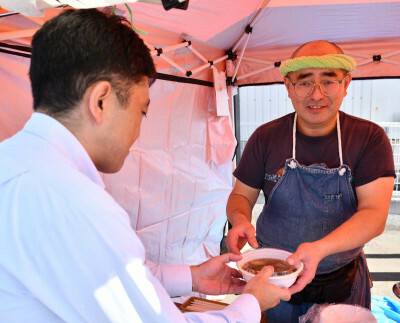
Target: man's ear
{"type": "Point", "coordinates": [287, 84]}
{"type": "Point", "coordinates": [99, 93]}
{"type": "Point", "coordinates": [346, 82]}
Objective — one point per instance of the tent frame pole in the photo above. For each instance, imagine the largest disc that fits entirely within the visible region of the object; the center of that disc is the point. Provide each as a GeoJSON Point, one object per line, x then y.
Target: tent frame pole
{"type": "Point", "coordinates": [252, 23]}
{"type": "Point", "coordinates": [266, 68]}
{"type": "Point", "coordinates": [197, 53]}
{"type": "Point", "coordinates": [169, 48]}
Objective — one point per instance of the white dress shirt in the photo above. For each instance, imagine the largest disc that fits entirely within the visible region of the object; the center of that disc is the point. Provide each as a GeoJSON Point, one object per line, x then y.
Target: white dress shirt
{"type": "Point", "coordinates": [67, 252]}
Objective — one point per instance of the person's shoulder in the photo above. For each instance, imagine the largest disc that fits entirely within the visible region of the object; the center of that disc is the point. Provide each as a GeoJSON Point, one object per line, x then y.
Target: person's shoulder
{"type": "Point", "coordinates": [357, 120]}
{"type": "Point", "coordinates": [279, 124]}
{"type": "Point", "coordinates": [14, 159]}
{"type": "Point", "coordinates": [10, 168]}
{"type": "Point", "coordinates": [359, 124]}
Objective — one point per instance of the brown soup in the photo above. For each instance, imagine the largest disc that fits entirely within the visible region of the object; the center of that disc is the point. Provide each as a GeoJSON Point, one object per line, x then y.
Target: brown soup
{"type": "Point", "coordinates": [281, 267]}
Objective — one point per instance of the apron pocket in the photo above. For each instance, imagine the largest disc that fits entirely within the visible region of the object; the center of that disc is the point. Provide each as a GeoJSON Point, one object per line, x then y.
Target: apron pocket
{"type": "Point", "coordinates": [333, 212]}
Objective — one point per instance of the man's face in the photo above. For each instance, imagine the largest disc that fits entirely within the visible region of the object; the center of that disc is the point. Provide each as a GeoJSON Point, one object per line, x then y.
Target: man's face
{"type": "Point", "coordinates": [124, 127]}
{"type": "Point", "coordinates": [317, 112]}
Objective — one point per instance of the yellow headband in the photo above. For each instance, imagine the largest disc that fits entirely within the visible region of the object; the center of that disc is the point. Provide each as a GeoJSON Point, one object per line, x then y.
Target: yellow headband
{"type": "Point", "coordinates": [326, 61]}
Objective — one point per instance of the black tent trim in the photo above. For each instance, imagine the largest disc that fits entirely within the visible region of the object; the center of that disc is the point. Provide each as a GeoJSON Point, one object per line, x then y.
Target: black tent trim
{"type": "Point", "coordinates": [25, 51]}
{"type": "Point", "coordinates": [16, 50]}
{"type": "Point", "coordinates": [179, 79]}
{"type": "Point", "coordinates": [14, 53]}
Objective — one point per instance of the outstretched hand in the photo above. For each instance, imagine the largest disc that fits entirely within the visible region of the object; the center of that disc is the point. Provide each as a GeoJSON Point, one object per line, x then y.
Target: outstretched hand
{"type": "Point", "coordinates": [239, 235]}
{"type": "Point", "coordinates": [214, 277]}
{"type": "Point", "coordinates": [311, 257]}
{"type": "Point", "coordinates": [267, 295]}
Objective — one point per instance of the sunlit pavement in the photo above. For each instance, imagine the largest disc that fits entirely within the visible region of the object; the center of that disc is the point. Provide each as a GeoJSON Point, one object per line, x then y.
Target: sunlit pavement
{"type": "Point", "coordinates": [383, 257]}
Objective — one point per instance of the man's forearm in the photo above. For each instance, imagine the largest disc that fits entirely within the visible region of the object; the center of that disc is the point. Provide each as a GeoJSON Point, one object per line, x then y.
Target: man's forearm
{"type": "Point", "coordinates": [238, 209]}
{"type": "Point", "coordinates": [369, 222]}
{"type": "Point", "coordinates": [358, 230]}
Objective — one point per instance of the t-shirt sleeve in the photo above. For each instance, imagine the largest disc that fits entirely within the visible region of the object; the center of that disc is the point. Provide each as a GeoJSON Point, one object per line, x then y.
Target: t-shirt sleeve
{"type": "Point", "coordinates": [250, 169]}
{"type": "Point", "coordinates": [376, 160]}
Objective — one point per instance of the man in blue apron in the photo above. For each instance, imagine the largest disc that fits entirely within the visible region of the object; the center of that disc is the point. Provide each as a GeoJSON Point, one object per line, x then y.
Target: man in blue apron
{"type": "Point", "coordinates": [327, 179]}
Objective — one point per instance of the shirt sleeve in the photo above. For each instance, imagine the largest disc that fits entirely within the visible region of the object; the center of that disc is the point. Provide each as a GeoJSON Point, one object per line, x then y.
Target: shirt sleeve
{"type": "Point", "coordinates": [177, 280]}
{"type": "Point", "coordinates": [376, 160]}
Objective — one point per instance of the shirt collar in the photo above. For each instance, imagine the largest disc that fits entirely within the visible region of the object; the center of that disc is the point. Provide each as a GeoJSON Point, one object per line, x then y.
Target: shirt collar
{"type": "Point", "coordinates": [65, 143]}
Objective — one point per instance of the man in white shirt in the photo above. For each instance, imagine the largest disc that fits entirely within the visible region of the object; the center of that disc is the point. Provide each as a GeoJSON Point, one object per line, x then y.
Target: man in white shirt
{"type": "Point", "coordinates": [67, 252]}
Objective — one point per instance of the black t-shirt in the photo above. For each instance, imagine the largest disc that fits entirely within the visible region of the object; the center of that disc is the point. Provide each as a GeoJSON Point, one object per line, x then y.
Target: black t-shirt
{"type": "Point", "coordinates": [366, 150]}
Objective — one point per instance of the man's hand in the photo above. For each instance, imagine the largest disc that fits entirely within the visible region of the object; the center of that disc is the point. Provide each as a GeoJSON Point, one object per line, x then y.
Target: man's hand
{"type": "Point", "coordinates": [310, 255]}
{"type": "Point", "coordinates": [239, 209]}
{"type": "Point", "coordinates": [267, 295]}
{"type": "Point", "coordinates": [214, 277]}
{"type": "Point", "coordinates": [241, 233]}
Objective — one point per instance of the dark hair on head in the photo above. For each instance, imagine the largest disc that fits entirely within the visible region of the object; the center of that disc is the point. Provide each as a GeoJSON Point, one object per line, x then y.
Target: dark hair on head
{"type": "Point", "coordinates": [80, 47]}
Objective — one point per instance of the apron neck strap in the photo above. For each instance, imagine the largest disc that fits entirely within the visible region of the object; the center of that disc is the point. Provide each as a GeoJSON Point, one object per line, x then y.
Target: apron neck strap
{"type": "Point", "coordinates": [338, 134]}
{"type": "Point", "coordinates": [294, 136]}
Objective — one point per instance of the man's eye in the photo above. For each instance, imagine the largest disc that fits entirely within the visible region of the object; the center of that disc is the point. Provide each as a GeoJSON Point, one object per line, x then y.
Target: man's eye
{"type": "Point", "coordinates": [327, 82]}
{"type": "Point", "coordinates": [304, 84]}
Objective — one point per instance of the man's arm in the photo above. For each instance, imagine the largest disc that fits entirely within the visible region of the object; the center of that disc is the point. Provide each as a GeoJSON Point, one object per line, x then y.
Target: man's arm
{"type": "Point", "coordinates": [214, 277]}
{"type": "Point", "coordinates": [240, 205]}
{"type": "Point", "coordinates": [367, 223]}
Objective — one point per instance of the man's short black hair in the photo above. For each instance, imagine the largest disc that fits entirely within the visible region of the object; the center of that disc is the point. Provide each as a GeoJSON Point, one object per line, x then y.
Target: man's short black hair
{"type": "Point", "coordinates": [80, 47]}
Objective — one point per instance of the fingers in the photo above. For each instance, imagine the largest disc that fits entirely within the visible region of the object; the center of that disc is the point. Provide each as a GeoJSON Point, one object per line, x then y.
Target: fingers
{"type": "Point", "coordinates": [250, 235]}
{"type": "Point", "coordinates": [267, 271]}
{"type": "Point", "coordinates": [239, 235]}
{"type": "Point", "coordinates": [267, 294]}
{"type": "Point", "coordinates": [225, 258]}
{"type": "Point", "coordinates": [234, 257]}
{"type": "Point", "coordinates": [299, 285]}
{"type": "Point", "coordinates": [235, 273]}
{"type": "Point", "coordinates": [238, 282]}
{"type": "Point", "coordinates": [293, 259]}
{"type": "Point", "coordinates": [285, 294]}
{"type": "Point", "coordinates": [251, 238]}
{"type": "Point", "coordinates": [232, 242]}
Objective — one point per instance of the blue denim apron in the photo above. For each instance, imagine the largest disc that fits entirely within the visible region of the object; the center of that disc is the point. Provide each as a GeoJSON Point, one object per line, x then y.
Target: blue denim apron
{"type": "Point", "coordinates": [306, 204]}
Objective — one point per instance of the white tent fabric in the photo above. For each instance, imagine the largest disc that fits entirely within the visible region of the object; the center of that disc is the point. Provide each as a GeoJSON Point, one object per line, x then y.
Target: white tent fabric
{"type": "Point", "coordinates": [177, 178]}
{"type": "Point", "coordinates": [15, 94]}
{"type": "Point", "coordinates": [176, 181]}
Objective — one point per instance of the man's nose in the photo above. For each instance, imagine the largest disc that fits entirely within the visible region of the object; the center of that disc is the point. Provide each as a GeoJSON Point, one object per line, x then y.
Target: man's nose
{"type": "Point", "coordinates": [316, 94]}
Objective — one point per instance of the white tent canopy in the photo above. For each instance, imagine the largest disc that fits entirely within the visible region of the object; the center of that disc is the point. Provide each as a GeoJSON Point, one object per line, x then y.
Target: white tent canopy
{"type": "Point", "coordinates": [176, 182]}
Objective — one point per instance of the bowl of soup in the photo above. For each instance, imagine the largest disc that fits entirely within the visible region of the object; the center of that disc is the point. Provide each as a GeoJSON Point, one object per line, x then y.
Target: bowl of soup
{"type": "Point", "coordinates": [254, 260]}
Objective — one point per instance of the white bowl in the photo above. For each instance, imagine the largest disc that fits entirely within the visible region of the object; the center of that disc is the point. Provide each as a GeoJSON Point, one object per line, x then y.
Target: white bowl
{"type": "Point", "coordinates": [281, 281]}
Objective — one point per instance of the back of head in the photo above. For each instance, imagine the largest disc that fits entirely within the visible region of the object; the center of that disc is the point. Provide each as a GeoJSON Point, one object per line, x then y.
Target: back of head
{"type": "Point", "coordinates": [78, 48]}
